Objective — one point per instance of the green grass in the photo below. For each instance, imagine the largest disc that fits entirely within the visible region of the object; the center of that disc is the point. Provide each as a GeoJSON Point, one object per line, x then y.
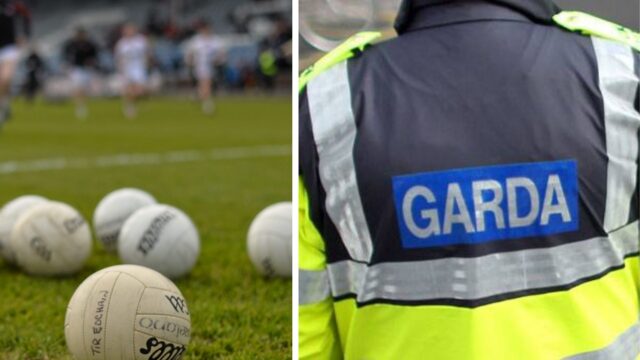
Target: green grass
{"type": "Point", "coordinates": [235, 313]}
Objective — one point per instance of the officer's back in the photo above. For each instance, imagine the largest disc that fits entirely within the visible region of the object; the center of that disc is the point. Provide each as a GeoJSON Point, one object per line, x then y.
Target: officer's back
{"type": "Point", "coordinates": [476, 192]}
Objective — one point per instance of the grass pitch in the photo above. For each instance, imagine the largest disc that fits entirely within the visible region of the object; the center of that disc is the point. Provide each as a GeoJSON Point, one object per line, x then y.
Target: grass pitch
{"type": "Point", "coordinates": [221, 170]}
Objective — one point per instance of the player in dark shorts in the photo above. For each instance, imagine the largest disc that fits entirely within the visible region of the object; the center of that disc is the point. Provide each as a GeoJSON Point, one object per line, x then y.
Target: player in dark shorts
{"type": "Point", "coordinates": [15, 27]}
{"type": "Point", "coordinates": [82, 55]}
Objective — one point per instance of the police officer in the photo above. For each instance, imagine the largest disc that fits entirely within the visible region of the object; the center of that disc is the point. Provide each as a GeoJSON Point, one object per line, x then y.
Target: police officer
{"type": "Point", "coordinates": [469, 190]}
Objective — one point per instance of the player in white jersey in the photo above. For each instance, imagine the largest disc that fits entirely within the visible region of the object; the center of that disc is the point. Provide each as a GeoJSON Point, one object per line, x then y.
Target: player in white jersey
{"type": "Point", "coordinates": [204, 50]}
{"type": "Point", "coordinates": [132, 55]}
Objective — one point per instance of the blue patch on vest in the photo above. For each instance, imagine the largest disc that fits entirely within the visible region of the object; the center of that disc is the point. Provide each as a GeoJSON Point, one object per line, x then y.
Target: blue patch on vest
{"type": "Point", "coordinates": [476, 205]}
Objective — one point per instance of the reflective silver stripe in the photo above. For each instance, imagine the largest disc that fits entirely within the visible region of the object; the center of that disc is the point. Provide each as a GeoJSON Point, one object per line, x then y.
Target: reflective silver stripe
{"type": "Point", "coordinates": [334, 132]}
{"type": "Point", "coordinates": [313, 286]}
{"type": "Point", "coordinates": [618, 84]}
{"type": "Point", "coordinates": [485, 276]}
{"type": "Point", "coordinates": [624, 347]}
{"type": "Point", "coordinates": [345, 277]}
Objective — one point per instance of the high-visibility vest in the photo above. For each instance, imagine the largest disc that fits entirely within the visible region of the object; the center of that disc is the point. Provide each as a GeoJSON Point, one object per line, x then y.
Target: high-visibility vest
{"type": "Point", "coordinates": [575, 299]}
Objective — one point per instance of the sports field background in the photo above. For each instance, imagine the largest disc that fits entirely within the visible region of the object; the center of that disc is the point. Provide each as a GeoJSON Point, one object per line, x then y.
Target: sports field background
{"type": "Point", "coordinates": [221, 170]}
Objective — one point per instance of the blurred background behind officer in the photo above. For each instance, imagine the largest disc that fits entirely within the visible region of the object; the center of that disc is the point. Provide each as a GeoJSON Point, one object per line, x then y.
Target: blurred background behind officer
{"type": "Point", "coordinates": [325, 23]}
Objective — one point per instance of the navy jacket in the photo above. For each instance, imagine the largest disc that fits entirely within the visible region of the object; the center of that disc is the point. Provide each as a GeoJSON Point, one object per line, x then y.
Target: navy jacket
{"type": "Point", "coordinates": [475, 84]}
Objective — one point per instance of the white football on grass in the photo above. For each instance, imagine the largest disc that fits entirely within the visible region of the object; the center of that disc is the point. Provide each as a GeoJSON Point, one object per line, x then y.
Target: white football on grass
{"type": "Point", "coordinates": [112, 212]}
{"type": "Point", "coordinates": [160, 237]}
{"type": "Point", "coordinates": [50, 239]}
{"type": "Point", "coordinates": [9, 214]}
{"type": "Point", "coordinates": [127, 312]}
{"type": "Point", "coordinates": [269, 240]}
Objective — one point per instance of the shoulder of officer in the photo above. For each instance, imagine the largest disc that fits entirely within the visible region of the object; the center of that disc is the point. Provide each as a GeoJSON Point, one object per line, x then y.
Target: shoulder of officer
{"type": "Point", "coordinates": [349, 48]}
{"type": "Point", "coordinates": [587, 24]}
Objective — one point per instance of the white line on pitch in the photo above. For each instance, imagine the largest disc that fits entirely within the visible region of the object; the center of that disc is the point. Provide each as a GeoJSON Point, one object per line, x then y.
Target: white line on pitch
{"type": "Point", "coordinates": [12, 167]}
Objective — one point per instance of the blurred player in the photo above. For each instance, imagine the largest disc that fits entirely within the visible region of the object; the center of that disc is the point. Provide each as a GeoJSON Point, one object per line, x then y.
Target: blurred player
{"type": "Point", "coordinates": [35, 69]}
{"type": "Point", "coordinates": [205, 49]}
{"type": "Point", "coordinates": [11, 13]}
{"type": "Point", "coordinates": [82, 55]}
{"type": "Point", "coordinates": [132, 55]}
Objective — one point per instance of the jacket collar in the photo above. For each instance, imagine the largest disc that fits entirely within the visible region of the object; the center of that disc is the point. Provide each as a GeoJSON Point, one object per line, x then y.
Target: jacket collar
{"type": "Point", "coordinates": [415, 14]}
